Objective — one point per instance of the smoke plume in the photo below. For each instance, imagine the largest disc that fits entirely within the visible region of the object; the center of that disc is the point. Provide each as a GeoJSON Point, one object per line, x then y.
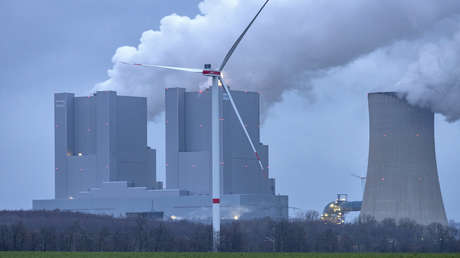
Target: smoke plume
{"type": "Point", "coordinates": [291, 41]}
{"type": "Point", "coordinates": [433, 79]}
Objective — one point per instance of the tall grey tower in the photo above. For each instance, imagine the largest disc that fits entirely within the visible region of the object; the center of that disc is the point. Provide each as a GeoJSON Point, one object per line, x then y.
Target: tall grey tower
{"type": "Point", "coordinates": [188, 143]}
{"type": "Point", "coordinates": [98, 139]}
{"type": "Point", "coordinates": [402, 178]}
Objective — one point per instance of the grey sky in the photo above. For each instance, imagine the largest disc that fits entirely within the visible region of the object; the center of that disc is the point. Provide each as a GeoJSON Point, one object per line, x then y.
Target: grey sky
{"type": "Point", "coordinates": [317, 130]}
{"type": "Point", "coordinates": [53, 46]}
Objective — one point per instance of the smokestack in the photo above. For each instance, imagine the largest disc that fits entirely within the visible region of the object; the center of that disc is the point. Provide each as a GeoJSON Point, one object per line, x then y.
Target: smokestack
{"type": "Point", "coordinates": [402, 177]}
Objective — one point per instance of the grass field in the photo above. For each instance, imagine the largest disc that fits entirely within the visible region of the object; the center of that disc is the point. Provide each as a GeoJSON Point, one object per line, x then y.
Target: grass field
{"type": "Point", "coordinates": [223, 255]}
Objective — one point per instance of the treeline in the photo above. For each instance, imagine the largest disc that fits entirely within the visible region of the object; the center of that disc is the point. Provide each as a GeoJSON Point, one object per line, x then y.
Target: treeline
{"type": "Point", "coordinates": [68, 231]}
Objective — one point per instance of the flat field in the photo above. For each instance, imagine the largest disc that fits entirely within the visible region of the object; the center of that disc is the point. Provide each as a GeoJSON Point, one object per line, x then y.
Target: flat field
{"type": "Point", "coordinates": [220, 255]}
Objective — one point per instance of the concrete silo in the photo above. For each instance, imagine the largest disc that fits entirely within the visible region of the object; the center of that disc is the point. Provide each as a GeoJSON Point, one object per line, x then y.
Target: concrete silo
{"type": "Point", "coordinates": [402, 178]}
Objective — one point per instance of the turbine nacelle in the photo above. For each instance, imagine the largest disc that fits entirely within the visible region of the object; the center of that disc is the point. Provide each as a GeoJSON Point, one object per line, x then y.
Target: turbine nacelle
{"type": "Point", "coordinates": [211, 73]}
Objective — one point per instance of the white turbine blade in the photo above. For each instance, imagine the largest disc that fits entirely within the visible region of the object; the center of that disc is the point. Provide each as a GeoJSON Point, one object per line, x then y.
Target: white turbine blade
{"type": "Point", "coordinates": [241, 122]}
{"type": "Point", "coordinates": [230, 52]}
{"type": "Point", "coordinates": [193, 70]}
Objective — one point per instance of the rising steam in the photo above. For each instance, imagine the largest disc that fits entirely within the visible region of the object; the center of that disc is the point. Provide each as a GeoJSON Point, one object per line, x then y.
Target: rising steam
{"type": "Point", "coordinates": [291, 40]}
{"type": "Point", "coordinates": [433, 80]}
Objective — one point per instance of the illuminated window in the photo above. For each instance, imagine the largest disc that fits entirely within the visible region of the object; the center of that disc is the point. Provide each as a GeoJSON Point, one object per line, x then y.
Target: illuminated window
{"type": "Point", "coordinates": [80, 154]}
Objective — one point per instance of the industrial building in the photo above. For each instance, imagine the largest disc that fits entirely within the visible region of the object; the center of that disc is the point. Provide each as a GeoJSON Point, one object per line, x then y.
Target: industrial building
{"type": "Point", "coordinates": [402, 178]}
{"type": "Point", "coordinates": [101, 138]}
{"type": "Point", "coordinates": [335, 211]}
{"type": "Point", "coordinates": [188, 148]}
{"type": "Point", "coordinates": [104, 166]}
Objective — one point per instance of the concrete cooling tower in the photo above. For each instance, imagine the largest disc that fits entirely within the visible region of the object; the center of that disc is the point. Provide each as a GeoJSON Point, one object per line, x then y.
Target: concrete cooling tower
{"type": "Point", "coordinates": [402, 178]}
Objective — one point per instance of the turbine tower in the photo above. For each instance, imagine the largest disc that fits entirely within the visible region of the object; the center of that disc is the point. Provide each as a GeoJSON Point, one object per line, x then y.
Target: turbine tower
{"type": "Point", "coordinates": [362, 179]}
{"type": "Point", "coordinates": [216, 76]}
{"type": "Point", "coordinates": [402, 178]}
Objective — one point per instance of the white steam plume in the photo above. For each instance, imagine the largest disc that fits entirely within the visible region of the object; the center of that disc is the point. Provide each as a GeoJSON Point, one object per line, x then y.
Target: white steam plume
{"type": "Point", "coordinates": [290, 40]}
{"type": "Point", "coordinates": [433, 79]}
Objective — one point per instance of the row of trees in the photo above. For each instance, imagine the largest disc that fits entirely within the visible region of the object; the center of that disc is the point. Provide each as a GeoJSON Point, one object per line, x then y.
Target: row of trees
{"type": "Point", "coordinates": [66, 231]}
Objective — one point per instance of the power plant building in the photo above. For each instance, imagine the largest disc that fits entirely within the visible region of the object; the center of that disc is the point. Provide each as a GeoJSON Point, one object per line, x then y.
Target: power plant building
{"type": "Point", "coordinates": [402, 178]}
{"type": "Point", "coordinates": [98, 139]}
{"type": "Point", "coordinates": [188, 148]}
{"type": "Point", "coordinates": [104, 166]}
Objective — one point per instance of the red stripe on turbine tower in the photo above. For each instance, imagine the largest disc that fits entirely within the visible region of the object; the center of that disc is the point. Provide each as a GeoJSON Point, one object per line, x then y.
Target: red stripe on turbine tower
{"type": "Point", "coordinates": [215, 200]}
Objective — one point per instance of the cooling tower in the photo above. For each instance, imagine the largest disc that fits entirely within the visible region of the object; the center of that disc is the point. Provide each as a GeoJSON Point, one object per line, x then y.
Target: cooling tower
{"type": "Point", "coordinates": [402, 178]}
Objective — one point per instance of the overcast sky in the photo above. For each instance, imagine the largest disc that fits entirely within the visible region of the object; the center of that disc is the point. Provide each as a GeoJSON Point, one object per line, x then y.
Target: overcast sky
{"type": "Point", "coordinates": [312, 62]}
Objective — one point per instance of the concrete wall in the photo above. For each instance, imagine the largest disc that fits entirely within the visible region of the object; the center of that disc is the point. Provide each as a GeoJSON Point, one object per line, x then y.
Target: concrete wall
{"type": "Point", "coordinates": [117, 199]}
{"type": "Point", "coordinates": [63, 140]}
{"type": "Point", "coordinates": [188, 143]}
{"type": "Point", "coordinates": [402, 178]}
{"type": "Point", "coordinates": [101, 138]}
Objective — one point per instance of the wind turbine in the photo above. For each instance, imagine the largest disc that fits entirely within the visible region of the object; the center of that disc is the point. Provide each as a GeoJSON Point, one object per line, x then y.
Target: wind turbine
{"type": "Point", "coordinates": [216, 76]}
{"type": "Point", "coordinates": [363, 180]}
